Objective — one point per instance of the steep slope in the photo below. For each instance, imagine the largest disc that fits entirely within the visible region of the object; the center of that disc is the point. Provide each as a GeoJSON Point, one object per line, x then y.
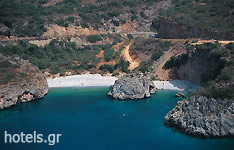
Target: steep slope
{"type": "Point", "coordinates": [210, 111]}
{"type": "Point", "coordinates": [20, 81]}
{"type": "Point", "coordinates": [125, 54]}
{"type": "Point", "coordinates": [211, 19]}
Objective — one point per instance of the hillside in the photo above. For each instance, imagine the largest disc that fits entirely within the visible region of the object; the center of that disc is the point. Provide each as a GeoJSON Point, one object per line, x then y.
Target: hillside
{"type": "Point", "coordinates": [49, 18]}
{"type": "Point", "coordinates": [32, 18]}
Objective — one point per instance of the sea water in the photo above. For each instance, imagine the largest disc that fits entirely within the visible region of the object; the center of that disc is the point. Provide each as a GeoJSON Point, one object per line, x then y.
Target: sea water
{"type": "Point", "coordinates": [90, 120]}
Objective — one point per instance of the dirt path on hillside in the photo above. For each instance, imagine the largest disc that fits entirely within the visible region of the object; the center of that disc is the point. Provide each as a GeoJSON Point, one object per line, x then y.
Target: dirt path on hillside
{"type": "Point", "coordinates": [125, 54]}
{"type": "Point", "coordinates": [158, 66]}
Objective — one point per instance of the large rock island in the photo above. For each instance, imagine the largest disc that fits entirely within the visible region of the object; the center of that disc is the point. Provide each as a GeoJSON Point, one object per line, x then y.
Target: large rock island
{"type": "Point", "coordinates": [132, 86]}
{"type": "Point", "coordinates": [20, 81]}
{"type": "Point", "coordinates": [202, 116]}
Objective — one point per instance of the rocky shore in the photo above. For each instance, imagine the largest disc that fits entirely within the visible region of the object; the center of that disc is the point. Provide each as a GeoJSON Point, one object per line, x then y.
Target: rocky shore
{"type": "Point", "coordinates": [132, 86]}
{"type": "Point", "coordinates": [202, 116]}
{"type": "Point", "coordinates": [20, 81]}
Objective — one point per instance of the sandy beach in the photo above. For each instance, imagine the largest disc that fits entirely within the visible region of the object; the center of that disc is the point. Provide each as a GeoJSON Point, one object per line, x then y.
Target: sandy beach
{"type": "Point", "coordinates": [85, 80]}
{"type": "Point", "coordinates": [89, 80]}
{"type": "Point", "coordinates": [180, 85]}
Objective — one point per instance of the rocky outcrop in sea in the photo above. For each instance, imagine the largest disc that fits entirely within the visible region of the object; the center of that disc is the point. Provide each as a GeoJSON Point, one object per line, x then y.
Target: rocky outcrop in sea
{"type": "Point", "coordinates": [20, 81]}
{"type": "Point", "coordinates": [202, 116]}
{"type": "Point", "coordinates": [132, 86]}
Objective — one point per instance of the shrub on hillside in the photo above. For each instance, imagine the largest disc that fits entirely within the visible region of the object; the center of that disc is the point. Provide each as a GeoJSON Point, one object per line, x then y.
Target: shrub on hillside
{"type": "Point", "coordinates": [158, 52]}
{"type": "Point", "coordinates": [123, 66]}
{"type": "Point", "coordinates": [94, 38]}
{"type": "Point", "coordinates": [110, 68]}
{"type": "Point", "coordinates": [145, 66]}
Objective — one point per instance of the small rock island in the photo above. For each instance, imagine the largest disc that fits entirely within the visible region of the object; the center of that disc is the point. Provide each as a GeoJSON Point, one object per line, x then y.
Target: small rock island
{"type": "Point", "coordinates": [132, 86]}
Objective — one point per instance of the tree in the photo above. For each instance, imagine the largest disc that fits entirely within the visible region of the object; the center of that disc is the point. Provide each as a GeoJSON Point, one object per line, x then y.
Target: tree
{"type": "Point", "coordinates": [145, 66]}
{"type": "Point", "coordinates": [158, 52]}
{"type": "Point", "coordinates": [110, 68]}
{"type": "Point", "coordinates": [94, 38]}
{"type": "Point", "coordinates": [154, 25]}
{"type": "Point", "coordinates": [130, 36]}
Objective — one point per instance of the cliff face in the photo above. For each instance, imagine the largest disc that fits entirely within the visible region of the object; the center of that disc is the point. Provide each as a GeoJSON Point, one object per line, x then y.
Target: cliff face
{"type": "Point", "coordinates": [195, 69]}
{"type": "Point", "coordinates": [20, 81]}
{"type": "Point", "coordinates": [202, 116]}
{"type": "Point", "coordinates": [210, 111]}
{"type": "Point", "coordinates": [170, 29]}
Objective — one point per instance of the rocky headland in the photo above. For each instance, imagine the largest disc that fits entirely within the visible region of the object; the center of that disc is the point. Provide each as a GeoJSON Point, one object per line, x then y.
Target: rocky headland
{"type": "Point", "coordinates": [209, 112]}
{"type": "Point", "coordinates": [20, 81]}
{"type": "Point", "coordinates": [202, 116]}
{"type": "Point", "coordinates": [132, 86]}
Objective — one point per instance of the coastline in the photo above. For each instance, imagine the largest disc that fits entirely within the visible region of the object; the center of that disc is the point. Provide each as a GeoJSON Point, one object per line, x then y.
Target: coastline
{"type": "Point", "coordinates": [84, 80]}
{"type": "Point", "coordinates": [96, 80]}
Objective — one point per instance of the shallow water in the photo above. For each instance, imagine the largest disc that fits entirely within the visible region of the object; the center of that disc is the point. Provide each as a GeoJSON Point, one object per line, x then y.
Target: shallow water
{"type": "Point", "coordinates": [89, 120]}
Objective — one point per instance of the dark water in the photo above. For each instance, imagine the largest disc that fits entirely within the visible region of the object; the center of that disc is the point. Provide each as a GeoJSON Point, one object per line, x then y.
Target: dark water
{"type": "Point", "coordinates": [89, 120]}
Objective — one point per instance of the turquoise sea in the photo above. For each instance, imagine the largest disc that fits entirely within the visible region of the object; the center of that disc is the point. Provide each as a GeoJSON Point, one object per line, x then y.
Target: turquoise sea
{"type": "Point", "coordinates": [89, 120]}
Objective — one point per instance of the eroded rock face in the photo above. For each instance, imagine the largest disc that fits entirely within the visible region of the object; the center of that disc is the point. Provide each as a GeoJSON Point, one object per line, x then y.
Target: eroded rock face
{"type": "Point", "coordinates": [20, 81]}
{"type": "Point", "coordinates": [171, 29]}
{"type": "Point", "coordinates": [204, 117]}
{"type": "Point", "coordinates": [132, 86]}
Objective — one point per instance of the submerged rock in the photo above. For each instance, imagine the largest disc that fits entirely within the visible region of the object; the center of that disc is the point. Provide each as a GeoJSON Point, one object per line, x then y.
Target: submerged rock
{"type": "Point", "coordinates": [179, 94]}
{"type": "Point", "coordinates": [204, 117]}
{"type": "Point", "coordinates": [132, 86]}
{"type": "Point", "coordinates": [20, 81]}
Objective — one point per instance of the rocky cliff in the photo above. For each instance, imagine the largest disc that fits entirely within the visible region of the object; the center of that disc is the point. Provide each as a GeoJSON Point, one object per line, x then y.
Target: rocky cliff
{"type": "Point", "coordinates": [210, 111]}
{"type": "Point", "coordinates": [20, 81]}
{"type": "Point", "coordinates": [195, 69]}
{"type": "Point", "coordinates": [132, 86]}
{"type": "Point", "coordinates": [202, 63]}
{"type": "Point", "coordinates": [170, 29]}
{"type": "Point", "coordinates": [202, 116]}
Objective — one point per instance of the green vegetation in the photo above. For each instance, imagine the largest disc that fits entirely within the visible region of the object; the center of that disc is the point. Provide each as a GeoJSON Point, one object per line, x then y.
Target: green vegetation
{"type": "Point", "coordinates": [107, 67]}
{"type": "Point", "coordinates": [219, 76]}
{"type": "Point", "coordinates": [122, 66]}
{"type": "Point", "coordinates": [176, 61]}
{"type": "Point", "coordinates": [154, 25]}
{"type": "Point", "coordinates": [6, 64]}
{"type": "Point", "coordinates": [149, 44]}
{"type": "Point", "coordinates": [115, 74]}
{"type": "Point", "coordinates": [58, 56]}
{"type": "Point", "coordinates": [143, 15]}
{"type": "Point", "coordinates": [145, 66]}
{"type": "Point", "coordinates": [7, 72]}
{"type": "Point", "coordinates": [222, 85]}
{"type": "Point", "coordinates": [152, 46]}
{"type": "Point", "coordinates": [158, 52]}
{"type": "Point", "coordinates": [108, 52]}
{"type": "Point", "coordinates": [205, 14]}
{"type": "Point", "coordinates": [194, 41]}
{"type": "Point", "coordinates": [130, 36]}
{"type": "Point", "coordinates": [117, 38]}
{"type": "Point", "coordinates": [94, 38]}
{"type": "Point", "coordinates": [212, 92]}
{"type": "Point", "coordinates": [29, 18]}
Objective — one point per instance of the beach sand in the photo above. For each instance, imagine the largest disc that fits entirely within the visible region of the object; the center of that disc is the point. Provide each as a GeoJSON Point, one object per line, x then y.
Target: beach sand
{"type": "Point", "coordinates": [96, 80]}
{"type": "Point", "coordinates": [85, 80]}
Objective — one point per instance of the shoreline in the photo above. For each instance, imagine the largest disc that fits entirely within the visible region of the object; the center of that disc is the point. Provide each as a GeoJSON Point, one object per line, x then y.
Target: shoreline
{"type": "Point", "coordinates": [96, 80]}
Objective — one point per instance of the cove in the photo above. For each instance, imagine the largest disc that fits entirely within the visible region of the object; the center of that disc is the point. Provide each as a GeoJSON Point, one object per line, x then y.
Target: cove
{"type": "Point", "coordinates": [90, 120]}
